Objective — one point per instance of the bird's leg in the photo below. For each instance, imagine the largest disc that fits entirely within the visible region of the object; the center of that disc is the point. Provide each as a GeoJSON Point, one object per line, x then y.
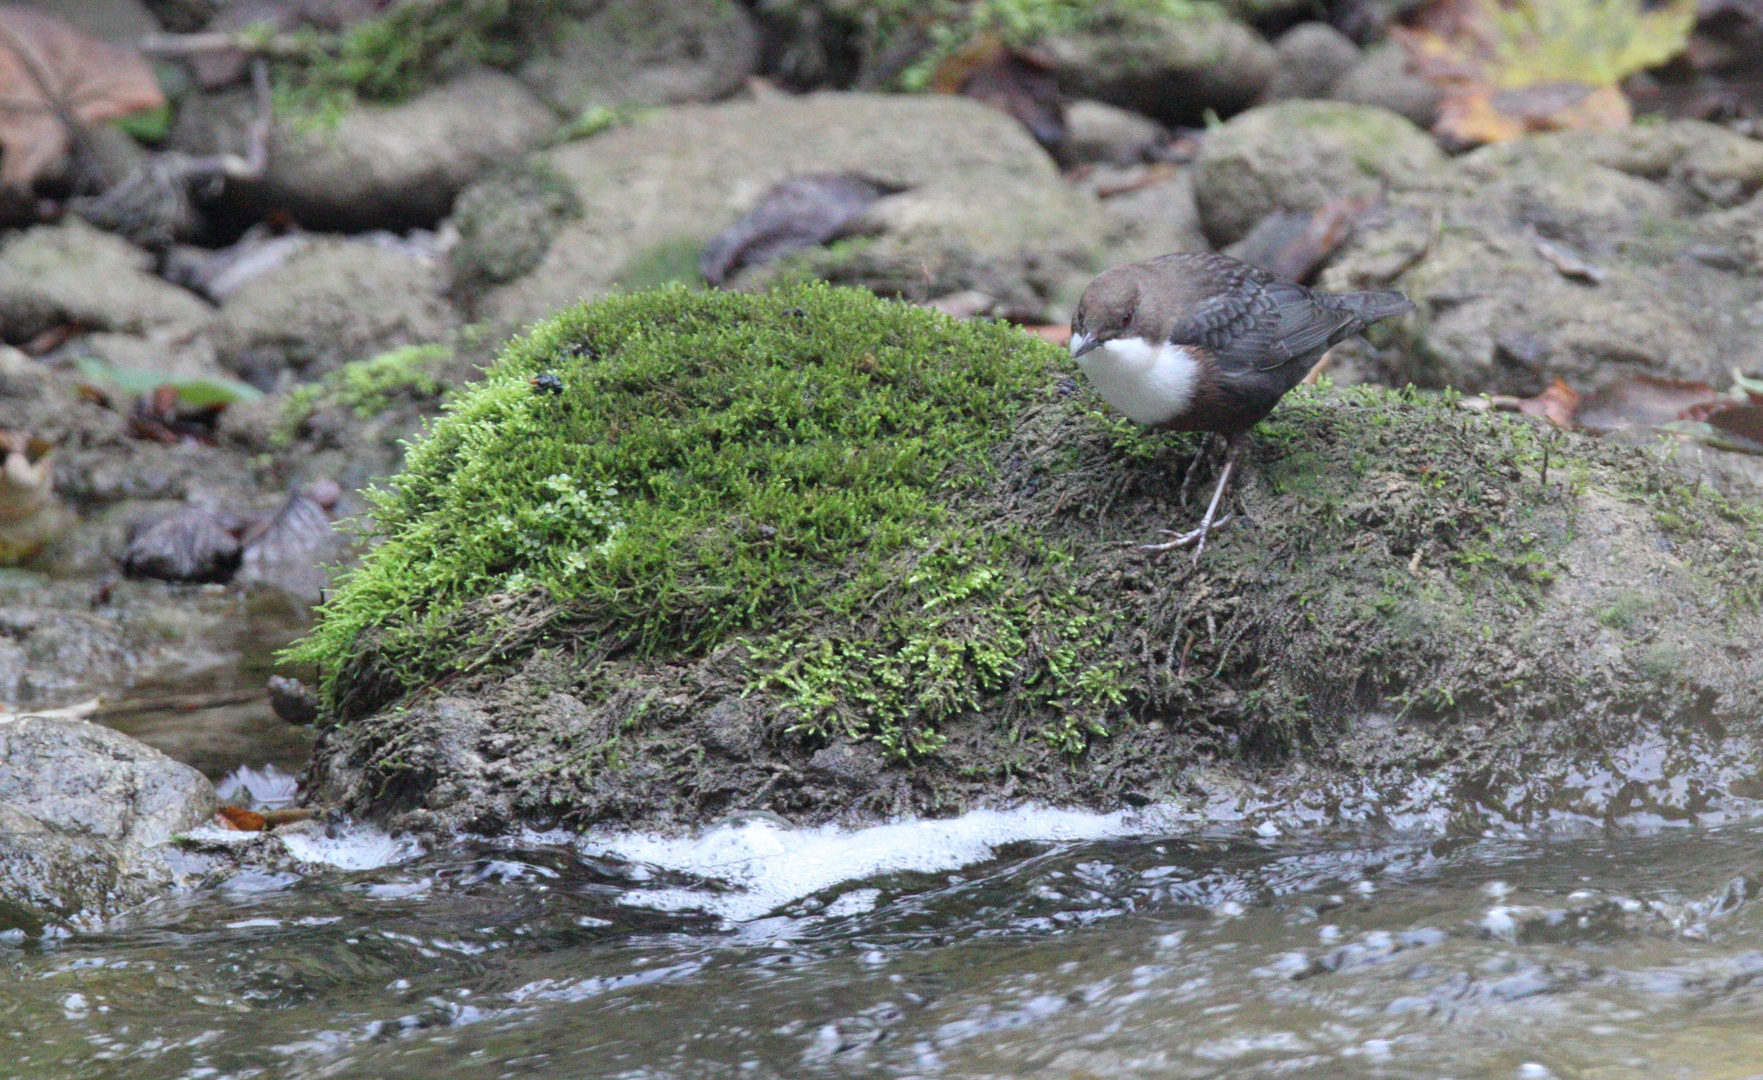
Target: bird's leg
{"type": "Point", "coordinates": [1233, 446]}
{"type": "Point", "coordinates": [1187, 480]}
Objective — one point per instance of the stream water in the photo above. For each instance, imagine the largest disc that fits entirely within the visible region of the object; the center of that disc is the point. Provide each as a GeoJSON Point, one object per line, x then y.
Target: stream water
{"type": "Point", "coordinates": [1608, 957]}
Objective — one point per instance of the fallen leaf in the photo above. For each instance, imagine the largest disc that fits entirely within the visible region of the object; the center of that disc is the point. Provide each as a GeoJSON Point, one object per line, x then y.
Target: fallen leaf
{"type": "Point", "coordinates": [1558, 405]}
{"type": "Point", "coordinates": [212, 392]}
{"type": "Point", "coordinates": [1292, 243]}
{"type": "Point", "coordinates": [239, 819]}
{"type": "Point", "coordinates": [27, 476]}
{"type": "Point", "coordinates": [1511, 67]}
{"type": "Point", "coordinates": [1056, 333]}
{"type": "Point", "coordinates": [1567, 262]}
{"type": "Point", "coordinates": [53, 78]}
{"type": "Point", "coordinates": [1740, 427]}
{"type": "Point", "coordinates": [801, 212]}
{"type": "Point", "coordinates": [1643, 401]}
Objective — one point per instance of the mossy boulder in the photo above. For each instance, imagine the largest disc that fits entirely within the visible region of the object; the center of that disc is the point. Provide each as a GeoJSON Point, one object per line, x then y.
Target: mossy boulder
{"type": "Point", "coordinates": [825, 555]}
{"type": "Point", "coordinates": [1298, 155]}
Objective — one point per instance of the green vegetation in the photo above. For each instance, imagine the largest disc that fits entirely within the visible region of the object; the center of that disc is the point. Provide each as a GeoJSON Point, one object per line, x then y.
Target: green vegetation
{"type": "Point", "coordinates": [367, 387]}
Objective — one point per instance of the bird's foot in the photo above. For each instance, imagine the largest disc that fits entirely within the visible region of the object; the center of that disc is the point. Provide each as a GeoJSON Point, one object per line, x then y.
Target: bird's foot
{"type": "Point", "coordinates": [1197, 536]}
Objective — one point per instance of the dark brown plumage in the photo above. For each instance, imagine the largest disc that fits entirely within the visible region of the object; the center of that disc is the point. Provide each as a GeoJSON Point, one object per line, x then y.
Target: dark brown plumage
{"type": "Point", "coordinates": [1201, 342]}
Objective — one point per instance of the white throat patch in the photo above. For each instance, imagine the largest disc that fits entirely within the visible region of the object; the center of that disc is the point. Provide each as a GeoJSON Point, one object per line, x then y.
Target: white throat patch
{"type": "Point", "coordinates": [1151, 384]}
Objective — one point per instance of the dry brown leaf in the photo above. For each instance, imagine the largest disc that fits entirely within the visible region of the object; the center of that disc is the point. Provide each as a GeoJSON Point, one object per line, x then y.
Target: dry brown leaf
{"type": "Point", "coordinates": [239, 819]}
{"type": "Point", "coordinates": [1741, 425]}
{"type": "Point", "coordinates": [1009, 80]}
{"type": "Point", "coordinates": [1559, 404]}
{"type": "Point", "coordinates": [51, 75]}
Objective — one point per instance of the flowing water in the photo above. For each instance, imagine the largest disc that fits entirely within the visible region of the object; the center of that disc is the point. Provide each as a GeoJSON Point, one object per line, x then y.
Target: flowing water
{"type": "Point", "coordinates": [1614, 957]}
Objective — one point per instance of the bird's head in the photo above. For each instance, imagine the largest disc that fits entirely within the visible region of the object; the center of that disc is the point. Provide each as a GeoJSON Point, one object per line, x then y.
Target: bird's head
{"type": "Point", "coordinates": [1107, 311]}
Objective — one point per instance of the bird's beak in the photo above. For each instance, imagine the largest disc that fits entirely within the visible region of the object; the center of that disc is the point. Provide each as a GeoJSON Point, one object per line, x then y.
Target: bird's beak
{"type": "Point", "coordinates": [1081, 344]}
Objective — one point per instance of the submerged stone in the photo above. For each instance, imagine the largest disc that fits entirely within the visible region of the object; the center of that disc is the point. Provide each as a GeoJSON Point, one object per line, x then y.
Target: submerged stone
{"type": "Point", "coordinates": [827, 556]}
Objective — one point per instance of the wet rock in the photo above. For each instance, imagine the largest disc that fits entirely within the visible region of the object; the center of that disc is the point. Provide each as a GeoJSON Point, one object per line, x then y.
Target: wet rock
{"type": "Point", "coordinates": [72, 273]}
{"type": "Point", "coordinates": [50, 654]}
{"type": "Point", "coordinates": [294, 551]}
{"type": "Point", "coordinates": [83, 813]}
{"type": "Point", "coordinates": [979, 205]}
{"type": "Point", "coordinates": [639, 52]}
{"type": "Point", "coordinates": [1471, 244]}
{"type": "Point", "coordinates": [1171, 67]}
{"type": "Point", "coordinates": [847, 764]}
{"type": "Point", "coordinates": [378, 166]}
{"type": "Point", "coordinates": [1299, 155]}
{"type": "Point", "coordinates": [1384, 78]}
{"type": "Point", "coordinates": [1096, 132]}
{"type": "Point", "coordinates": [292, 700]}
{"type": "Point", "coordinates": [447, 769]}
{"type": "Point", "coordinates": [1151, 209]}
{"type": "Point", "coordinates": [329, 303]}
{"type": "Point", "coordinates": [801, 212]}
{"type": "Point", "coordinates": [191, 545]}
{"type": "Point", "coordinates": [1310, 57]}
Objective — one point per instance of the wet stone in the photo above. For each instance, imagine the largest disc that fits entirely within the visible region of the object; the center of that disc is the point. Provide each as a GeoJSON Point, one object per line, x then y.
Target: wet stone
{"type": "Point", "coordinates": [191, 545]}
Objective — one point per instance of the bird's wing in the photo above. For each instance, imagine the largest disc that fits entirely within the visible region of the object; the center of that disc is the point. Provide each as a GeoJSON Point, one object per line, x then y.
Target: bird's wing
{"type": "Point", "coordinates": [1259, 323]}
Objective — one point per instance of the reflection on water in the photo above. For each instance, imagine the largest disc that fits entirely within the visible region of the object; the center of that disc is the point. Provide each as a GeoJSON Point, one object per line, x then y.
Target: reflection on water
{"type": "Point", "coordinates": [1615, 958]}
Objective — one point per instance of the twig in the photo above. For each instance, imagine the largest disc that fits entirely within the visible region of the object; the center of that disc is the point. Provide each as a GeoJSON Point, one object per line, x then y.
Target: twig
{"type": "Point", "coordinates": [181, 703]}
{"type": "Point", "coordinates": [280, 46]}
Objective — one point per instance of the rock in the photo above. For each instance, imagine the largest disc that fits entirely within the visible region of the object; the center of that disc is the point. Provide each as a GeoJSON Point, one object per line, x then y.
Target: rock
{"type": "Point", "coordinates": [84, 811]}
{"type": "Point", "coordinates": [801, 212]}
{"type": "Point", "coordinates": [292, 700]}
{"type": "Point", "coordinates": [190, 545]}
{"type": "Point", "coordinates": [505, 224]}
{"type": "Point", "coordinates": [1096, 132]}
{"type": "Point", "coordinates": [377, 166]}
{"type": "Point", "coordinates": [638, 52]}
{"type": "Point", "coordinates": [1151, 209]}
{"type": "Point", "coordinates": [72, 273]}
{"type": "Point", "coordinates": [1173, 68]}
{"type": "Point", "coordinates": [1680, 298]}
{"type": "Point", "coordinates": [331, 302]}
{"type": "Point", "coordinates": [1384, 78]}
{"type": "Point", "coordinates": [1311, 56]}
{"type": "Point", "coordinates": [1000, 642]}
{"type": "Point", "coordinates": [979, 206]}
{"type": "Point", "coordinates": [1299, 155]}
{"type": "Point", "coordinates": [52, 654]}
{"type": "Point", "coordinates": [294, 550]}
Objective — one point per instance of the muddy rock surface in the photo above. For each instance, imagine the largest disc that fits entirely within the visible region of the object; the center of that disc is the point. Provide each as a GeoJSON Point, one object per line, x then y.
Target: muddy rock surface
{"type": "Point", "coordinates": [1665, 215]}
{"type": "Point", "coordinates": [979, 204]}
{"type": "Point", "coordinates": [1414, 597]}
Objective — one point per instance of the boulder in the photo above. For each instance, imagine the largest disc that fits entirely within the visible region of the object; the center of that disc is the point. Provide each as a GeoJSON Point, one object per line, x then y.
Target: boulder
{"type": "Point", "coordinates": [1477, 246]}
{"type": "Point", "coordinates": [1151, 209]}
{"type": "Point", "coordinates": [328, 303]}
{"type": "Point", "coordinates": [53, 654]}
{"type": "Point", "coordinates": [914, 590]}
{"type": "Point", "coordinates": [84, 811]}
{"type": "Point", "coordinates": [72, 273]}
{"type": "Point", "coordinates": [1173, 67]}
{"type": "Point", "coordinates": [1385, 78]}
{"type": "Point", "coordinates": [1298, 155]}
{"type": "Point", "coordinates": [1311, 56]}
{"type": "Point", "coordinates": [638, 52]}
{"type": "Point", "coordinates": [376, 166]}
{"type": "Point", "coordinates": [1099, 133]}
{"type": "Point", "coordinates": [979, 204]}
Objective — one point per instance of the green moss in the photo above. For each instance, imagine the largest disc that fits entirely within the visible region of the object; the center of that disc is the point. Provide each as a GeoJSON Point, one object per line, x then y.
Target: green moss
{"type": "Point", "coordinates": [863, 520]}
{"type": "Point", "coordinates": [367, 387]}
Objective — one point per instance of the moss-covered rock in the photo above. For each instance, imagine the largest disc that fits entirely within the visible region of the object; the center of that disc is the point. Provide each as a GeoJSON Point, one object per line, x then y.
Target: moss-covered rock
{"type": "Point", "coordinates": [821, 554]}
{"type": "Point", "coordinates": [1298, 155]}
{"type": "Point", "coordinates": [639, 52]}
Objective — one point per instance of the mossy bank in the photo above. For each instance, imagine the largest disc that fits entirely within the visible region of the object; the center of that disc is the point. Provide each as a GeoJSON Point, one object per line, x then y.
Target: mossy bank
{"type": "Point", "coordinates": [833, 557]}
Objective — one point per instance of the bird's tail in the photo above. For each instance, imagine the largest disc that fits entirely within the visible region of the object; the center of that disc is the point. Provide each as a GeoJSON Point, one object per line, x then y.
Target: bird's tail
{"type": "Point", "coordinates": [1371, 307]}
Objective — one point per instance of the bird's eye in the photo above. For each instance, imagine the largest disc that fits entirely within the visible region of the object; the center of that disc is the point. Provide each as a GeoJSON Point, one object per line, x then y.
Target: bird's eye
{"type": "Point", "coordinates": [1126, 320]}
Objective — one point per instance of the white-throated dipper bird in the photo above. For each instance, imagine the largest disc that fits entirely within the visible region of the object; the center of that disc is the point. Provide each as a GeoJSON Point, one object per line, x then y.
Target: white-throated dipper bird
{"type": "Point", "coordinates": [1201, 342]}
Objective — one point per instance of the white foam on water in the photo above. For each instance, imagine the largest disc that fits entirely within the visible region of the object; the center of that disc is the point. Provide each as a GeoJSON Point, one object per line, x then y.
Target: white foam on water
{"type": "Point", "coordinates": [758, 865]}
{"type": "Point", "coordinates": [353, 847]}
{"type": "Point", "coordinates": [267, 788]}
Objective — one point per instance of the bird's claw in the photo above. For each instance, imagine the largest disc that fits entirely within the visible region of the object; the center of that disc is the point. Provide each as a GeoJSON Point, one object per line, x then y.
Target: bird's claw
{"type": "Point", "coordinates": [1184, 539]}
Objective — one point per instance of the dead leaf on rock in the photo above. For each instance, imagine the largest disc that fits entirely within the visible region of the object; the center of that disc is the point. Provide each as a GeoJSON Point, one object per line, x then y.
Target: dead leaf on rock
{"type": "Point", "coordinates": [239, 819]}
{"type": "Point", "coordinates": [1511, 67]}
{"type": "Point", "coordinates": [1558, 404]}
{"type": "Point", "coordinates": [52, 79]}
{"type": "Point", "coordinates": [1292, 244]}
